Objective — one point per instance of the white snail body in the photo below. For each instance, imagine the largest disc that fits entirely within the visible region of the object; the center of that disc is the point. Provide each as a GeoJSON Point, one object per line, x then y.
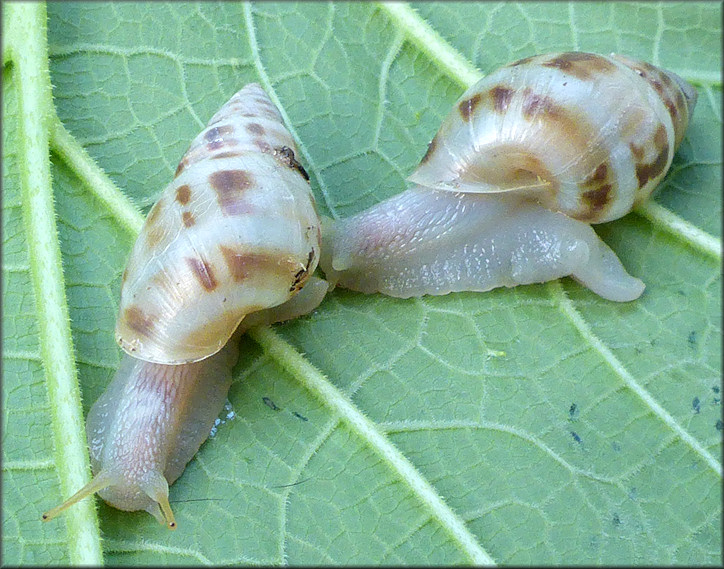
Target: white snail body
{"type": "Point", "coordinates": [235, 234]}
{"type": "Point", "coordinates": [526, 160]}
{"type": "Point", "coordinates": [424, 241]}
{"type": "Point", "coordinates": [146, 426]}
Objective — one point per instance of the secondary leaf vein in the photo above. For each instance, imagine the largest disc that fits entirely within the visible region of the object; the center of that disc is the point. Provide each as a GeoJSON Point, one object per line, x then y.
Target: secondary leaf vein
{"type": "Point", "coordinates": [613, 362]}
{"type": "Point", "coordinates": [316, 383]}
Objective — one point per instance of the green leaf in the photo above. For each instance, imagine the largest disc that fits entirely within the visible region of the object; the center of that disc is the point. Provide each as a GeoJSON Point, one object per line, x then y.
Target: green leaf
{"type": "Point", "coordinates": [534, 425]}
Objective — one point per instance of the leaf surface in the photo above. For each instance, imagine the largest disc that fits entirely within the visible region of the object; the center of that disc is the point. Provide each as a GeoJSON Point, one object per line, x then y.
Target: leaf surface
{"type": "Point", "coordinates": [534, 425]}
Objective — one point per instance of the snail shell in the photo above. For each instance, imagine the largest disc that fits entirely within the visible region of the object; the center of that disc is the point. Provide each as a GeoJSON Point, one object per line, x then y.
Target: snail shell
{"type": "Point", "coordinates": [587, 135]}
{"type": "Point", "coordinates": [528, 157]}
{"type": "Point", "coordinates": [235, 232]}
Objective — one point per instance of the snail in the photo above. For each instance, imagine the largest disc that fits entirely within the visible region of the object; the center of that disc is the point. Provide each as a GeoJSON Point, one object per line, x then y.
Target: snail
{"type": "Point", "coordinates": [235, 233]}
{"type": "Point", "coordinates": [528, 158]}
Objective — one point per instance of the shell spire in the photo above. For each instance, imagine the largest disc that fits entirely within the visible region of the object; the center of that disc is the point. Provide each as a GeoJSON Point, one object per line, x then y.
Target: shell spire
{"type": "Point", "coordinates": [236, 231]}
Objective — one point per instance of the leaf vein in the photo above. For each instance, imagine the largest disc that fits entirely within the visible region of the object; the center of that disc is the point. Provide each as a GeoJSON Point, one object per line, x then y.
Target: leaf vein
{"type": "Point", "coordinates": [618, 368]}
{"type": "Point", "coordinates": [117, 546]}
{"type": "Point", "coordinates": [94, 178]}
{"type": "Point", "coordinates": [317, 383]}
{"type": "Point", "coordinates": [296, 473]}
{"type": "Point", "coordinates": [44, 255]}
{"type": "Point", "coordinates": [99, 49]}
{"type": "Point", "coordinates": [23, 465]}
{"type": "Point", "coordinates": [413, 426]}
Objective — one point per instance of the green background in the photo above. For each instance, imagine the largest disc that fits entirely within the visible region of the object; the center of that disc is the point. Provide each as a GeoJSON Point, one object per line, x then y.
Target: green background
{"type": "Point", "coordinates": [558, 427]}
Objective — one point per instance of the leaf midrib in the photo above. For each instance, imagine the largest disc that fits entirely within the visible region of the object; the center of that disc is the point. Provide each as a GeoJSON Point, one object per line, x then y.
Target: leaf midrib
{"type": "Point", "coordinates": [30, 58]}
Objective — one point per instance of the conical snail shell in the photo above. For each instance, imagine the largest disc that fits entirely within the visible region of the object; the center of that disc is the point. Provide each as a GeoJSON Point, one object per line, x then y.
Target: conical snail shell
{"type": "Point", "coordinates": [235, 232]}
{"type": "Point", "coordinates": [584, 134]}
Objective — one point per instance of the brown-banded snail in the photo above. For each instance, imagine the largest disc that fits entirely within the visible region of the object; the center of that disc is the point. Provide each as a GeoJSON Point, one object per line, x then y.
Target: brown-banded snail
{"type": "Point", "coordinates": [236, 233]}
{"type": "Point", "coordinates": [528, 157]}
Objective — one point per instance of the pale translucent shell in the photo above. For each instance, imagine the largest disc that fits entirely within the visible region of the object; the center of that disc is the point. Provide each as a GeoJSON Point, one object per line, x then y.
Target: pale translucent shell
{"type": "Point", "coordinates": [235, 232]}
{"type": "Point", "coordinates": [584, 134]}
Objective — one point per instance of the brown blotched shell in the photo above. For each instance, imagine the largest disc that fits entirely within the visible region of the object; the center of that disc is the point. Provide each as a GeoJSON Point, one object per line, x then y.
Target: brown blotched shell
{"type": "Point", "coordinates": [583, 134]}
{"type": "Point", "coordinates": [235, 232]}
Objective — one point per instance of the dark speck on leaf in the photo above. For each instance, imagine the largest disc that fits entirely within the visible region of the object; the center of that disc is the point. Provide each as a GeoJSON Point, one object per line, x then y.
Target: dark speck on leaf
{"type": "Point", "coordinates": [715, 388]}
{"type": "Point", "coordinates": [298, 416]}
{"type": "Point", "coordinates": [616, 519]}
{"type": "Point", "coordinates": [719, 425]}
{"type": "Point", "coordinates": [595, 543]}
{"type": "Point", "coordinates": [696, 405]}
{"type": "Point", "coordinates": [692, 338]}
{"type": "Point", "coordinates": [616, 446]}
{"type": "Point", "coordinates": [269, 403]}
{"type": "Point", "coordinates": [573, 411]}
{"type": "Point", "coordinates": [576, 437]}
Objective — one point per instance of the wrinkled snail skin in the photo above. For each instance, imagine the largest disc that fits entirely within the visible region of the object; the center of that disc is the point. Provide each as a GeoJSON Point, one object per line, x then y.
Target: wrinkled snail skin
{"type": "Point", "coordinates": [527, 159]}
{"type": "Point", "coordinates": [150, 422]}
{"type": "Point", "coordinates": [424, 241]}
{"type": "Point", "coordinates": [235, 234]}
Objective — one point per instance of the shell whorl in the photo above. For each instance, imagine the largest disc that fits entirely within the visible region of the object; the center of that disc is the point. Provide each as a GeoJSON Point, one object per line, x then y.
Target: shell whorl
{"type": "Point", "coordinates": [236, 231]}
{"type": "Point", "coordinates": [584, 134]}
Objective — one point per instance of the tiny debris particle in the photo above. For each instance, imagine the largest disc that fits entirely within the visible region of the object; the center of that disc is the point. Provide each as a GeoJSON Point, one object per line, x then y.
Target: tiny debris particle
{"type": "Point", "coordinates": [269, 403]}
{"type": "Point", "coordinates": [719, 425]}
{"type": "Point", "coordinates": [616, 519]}
{"type": "Point", "coordinates": [696, 405]}
{"type": "Point", "coordinates": [288, 155]}
{"type": "Point", "coordinates": [576, 437]}
{"type": "Point", "coordinates": [692, 338]}
{"type": "Point", "coordinates": [573, 411]}
{"type": "Point", "coordinates": [298, 416]}
{"type": "Point", "coordinates": [715, 388]}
